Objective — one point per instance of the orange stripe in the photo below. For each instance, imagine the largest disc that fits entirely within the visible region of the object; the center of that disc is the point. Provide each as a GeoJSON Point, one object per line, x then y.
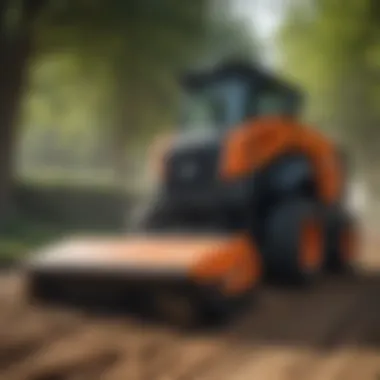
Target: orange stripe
{"type": "Point", "coordinates": [235, 266]}
{"type": "Point", "coordinates": [256, 143]}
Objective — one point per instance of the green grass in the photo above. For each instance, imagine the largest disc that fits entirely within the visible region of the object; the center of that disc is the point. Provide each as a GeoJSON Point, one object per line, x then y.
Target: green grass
{"type": "Point", "coordinates": [21, 236]}
{"type": "Point", "coordinates": [57, 195]}
{"type": "Point", "coordinates": [12, 250]}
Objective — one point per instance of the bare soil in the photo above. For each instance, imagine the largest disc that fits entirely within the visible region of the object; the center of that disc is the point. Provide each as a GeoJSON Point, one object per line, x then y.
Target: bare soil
{"type": "Point", "coordinates": [330, 332]}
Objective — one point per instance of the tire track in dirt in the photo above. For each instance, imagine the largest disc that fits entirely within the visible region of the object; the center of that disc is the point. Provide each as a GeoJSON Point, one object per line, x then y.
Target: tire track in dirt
{"type": "Point", "coordinates": [239, 348]}
{"type": "Point", "coordinates": [193, 354]}
{"type": "Point", "coordinates": [31, 336]}
{"type": "Point", "coordinates": [24, 329]}
{"type": "Point", "coordinates": [198, 357]}
{"type": "Point", "coordinates": [161, 353]}
{"type": "Point", "coordinates": [87, 347]}
{"type": "Point", "coordinates": [12, 304]}
{"type": "Point", "coordinates": [363, 365]}
{"type": "Point", "coordinates": [326, 362]}
{"type": "Point", "coordinates": [279, 344]}
{"type": "Point", "coordinates": [140, 348]}
{"type": "Point", "coordinates": [127, 339]}
{"type": "Point", "coordinates": [287, 335]}
{"type": "Point", "coordinates": [227, 352]}
{"type": "Point", "coordinates": [364, 356]}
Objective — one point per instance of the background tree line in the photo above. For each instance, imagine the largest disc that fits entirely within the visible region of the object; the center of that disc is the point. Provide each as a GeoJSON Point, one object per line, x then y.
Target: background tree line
{"type": "Point", "coordinates": [332, 48]}
{"type": "Point", "coordinates": [95, 78]}
{"type": "Point", "coordinates": [86, 84]}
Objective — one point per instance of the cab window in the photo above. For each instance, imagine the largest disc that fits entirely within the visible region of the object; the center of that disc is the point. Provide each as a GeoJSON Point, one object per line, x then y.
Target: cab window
{"type": "Point", "coordinates": [272, 103]}
{"type": "Point", "coordinates": [214, 107]}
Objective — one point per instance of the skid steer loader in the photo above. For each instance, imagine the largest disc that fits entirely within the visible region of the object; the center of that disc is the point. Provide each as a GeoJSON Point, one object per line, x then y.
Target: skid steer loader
{"type": "Point", "coordinates": [245, 190]}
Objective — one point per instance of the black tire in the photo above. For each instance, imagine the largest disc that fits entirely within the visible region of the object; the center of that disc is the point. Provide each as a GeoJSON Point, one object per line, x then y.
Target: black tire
{"type": "Point", "coordinates": [341, 239]}
{"type": "Point", "coordinates": [284, 255]}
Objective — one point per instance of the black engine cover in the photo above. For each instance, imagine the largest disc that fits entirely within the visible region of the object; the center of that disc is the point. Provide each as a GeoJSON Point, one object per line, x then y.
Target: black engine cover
{"type": "Point", "coordinates": [192, 165]}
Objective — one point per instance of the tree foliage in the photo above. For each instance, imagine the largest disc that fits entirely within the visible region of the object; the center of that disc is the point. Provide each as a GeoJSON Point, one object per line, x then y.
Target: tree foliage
{"type": "Point", "coordinates": [99, 71]}
{"type": "Point", "coordinates": [16, 46]}
{"type": "Point", "coordinates": [333, 48]}
{"type": "Point", "coordinates": [106, 72]}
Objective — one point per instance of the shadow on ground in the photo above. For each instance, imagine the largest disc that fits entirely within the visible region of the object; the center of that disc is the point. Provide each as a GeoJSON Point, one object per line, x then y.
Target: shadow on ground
{"type": "Point", "coordinates": [337, 311]}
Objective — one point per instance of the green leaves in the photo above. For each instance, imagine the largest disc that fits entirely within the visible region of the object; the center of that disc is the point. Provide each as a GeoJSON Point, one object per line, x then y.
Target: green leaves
{"type": "Point", "coordinates": [333, 53]}
{"type": "Point", "coordinates": [106, 71]}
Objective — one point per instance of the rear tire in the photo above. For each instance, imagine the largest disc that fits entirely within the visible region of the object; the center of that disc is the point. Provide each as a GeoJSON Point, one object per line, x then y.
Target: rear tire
{"type": "Point", "coordinates": [294, 242]}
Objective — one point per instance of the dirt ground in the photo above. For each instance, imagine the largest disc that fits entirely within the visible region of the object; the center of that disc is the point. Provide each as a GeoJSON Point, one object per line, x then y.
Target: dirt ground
{"type": "Point", "coordinates": [331, 332]}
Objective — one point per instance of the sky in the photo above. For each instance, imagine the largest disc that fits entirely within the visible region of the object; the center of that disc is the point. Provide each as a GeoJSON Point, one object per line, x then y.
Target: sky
{"type": "Point", "coordinates": [265, 14]}
{"type": "Point", "coordinates": [265, 17]}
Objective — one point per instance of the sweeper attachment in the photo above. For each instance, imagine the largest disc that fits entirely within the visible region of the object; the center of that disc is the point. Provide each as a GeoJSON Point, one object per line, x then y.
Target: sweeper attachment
{"type": "Point", "coordinates": [245, 190]}
{"type": "Point", "coordinates": [189, 279]}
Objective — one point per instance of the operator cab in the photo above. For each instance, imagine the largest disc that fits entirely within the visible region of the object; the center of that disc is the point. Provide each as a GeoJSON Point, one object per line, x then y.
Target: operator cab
{"type": "Point", "coordinates": [213, 103]}
{"type": "Point", "coordinates": [217, 100]}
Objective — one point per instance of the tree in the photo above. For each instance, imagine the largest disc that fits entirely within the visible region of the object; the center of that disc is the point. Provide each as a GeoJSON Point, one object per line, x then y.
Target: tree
{"type": "Point", "coordinates": [133, 38]}
{"type": "Point", "coordinates": [227, 37]}
{"type": "Point", "coordinates": [124, 72]}
{"type": "Point", "coordinates": [139, 46]}
{"type": "Point", "coordinates": [16, 24]}
{"type": "Point", "coordinates": [130, 51]}
{"type": "Point", "coordinates": [333, 49]}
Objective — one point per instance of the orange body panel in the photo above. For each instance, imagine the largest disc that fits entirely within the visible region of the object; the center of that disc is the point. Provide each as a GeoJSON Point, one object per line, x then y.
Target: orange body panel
{"type": "Point", "coordinates": [256, 143]}
{"type": "Point", "coordinates": [205, 259]}
{"type": "Point", "coordinates": [311, 245]}
{"type": "Point", "coordinates": [237, 264]}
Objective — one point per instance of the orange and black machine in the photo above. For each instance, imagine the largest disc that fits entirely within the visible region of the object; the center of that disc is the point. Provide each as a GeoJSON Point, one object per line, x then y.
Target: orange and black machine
{"type": "Point", "coordinates": [245, 190]}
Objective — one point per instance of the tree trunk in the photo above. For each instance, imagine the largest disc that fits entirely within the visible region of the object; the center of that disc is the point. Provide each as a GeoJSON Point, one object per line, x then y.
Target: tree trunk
{"type": "Point", "coordinates": [15, 51]}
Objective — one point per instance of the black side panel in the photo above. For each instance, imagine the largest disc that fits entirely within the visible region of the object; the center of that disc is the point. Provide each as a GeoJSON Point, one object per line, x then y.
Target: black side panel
{"type": "Point", "coordinates": [192, 169]}
{"type": "Point", "coordinates": [287, 177]}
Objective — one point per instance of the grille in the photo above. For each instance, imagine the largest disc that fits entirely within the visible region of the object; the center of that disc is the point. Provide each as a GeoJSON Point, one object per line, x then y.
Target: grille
{"type": "Point", "coordinates": [193, 169]}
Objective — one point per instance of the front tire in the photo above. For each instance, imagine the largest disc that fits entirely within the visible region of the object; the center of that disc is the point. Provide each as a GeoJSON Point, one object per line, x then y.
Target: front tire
{"type": "Point", "coordinates": [294, 242]}
{"type": "Point", "coordinates": [342, 241]}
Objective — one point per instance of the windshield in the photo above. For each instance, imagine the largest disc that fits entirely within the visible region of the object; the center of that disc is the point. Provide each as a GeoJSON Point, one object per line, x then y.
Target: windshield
{"type": "Point", "coordinates": [221, 105]}
{"type": "Point", "coordinates": [214, 108]}
{"type": "Point", "coordinates": [272, 103]}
